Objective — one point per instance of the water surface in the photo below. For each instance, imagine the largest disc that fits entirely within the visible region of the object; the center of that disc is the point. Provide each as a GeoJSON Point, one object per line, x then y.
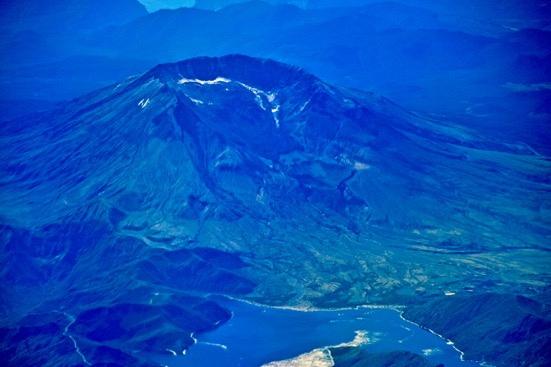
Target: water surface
{"type": "Point", "coordinates": [257, 335]}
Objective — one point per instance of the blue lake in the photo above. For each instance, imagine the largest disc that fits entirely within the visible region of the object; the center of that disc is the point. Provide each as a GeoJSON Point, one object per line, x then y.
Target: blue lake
{"type": "Point", "coordinates": [257, 335]}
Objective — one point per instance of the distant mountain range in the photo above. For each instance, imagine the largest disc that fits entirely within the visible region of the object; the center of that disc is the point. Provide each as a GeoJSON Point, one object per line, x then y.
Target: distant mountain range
{"type": "Point", "coordinates": [472, 63]}
{"type": "Point", "coordinates": [123, 208]}
{"type": "Point", "coordinates": [482, 10]}
{"type": "Point", "coordinates": [67, 15]}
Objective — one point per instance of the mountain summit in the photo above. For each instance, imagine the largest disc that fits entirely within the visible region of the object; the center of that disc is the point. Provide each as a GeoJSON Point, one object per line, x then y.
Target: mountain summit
{"type": "Point", "coordinates": [248, 177]}
{"type": "Point", "coordinates": [253, 135]}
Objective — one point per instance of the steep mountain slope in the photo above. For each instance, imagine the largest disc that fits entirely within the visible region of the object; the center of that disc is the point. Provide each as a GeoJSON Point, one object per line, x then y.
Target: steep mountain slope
{"type": "Point", "coordinates": [352, 357]}
{"type": "Point", "coordinates": [244, 176]}
{"type": "Point", "coordinates": [481, 64]}
{"type": "Point", "coordinates": [521, 337]}
{"type": "Point", "coordinates": [394, 49]}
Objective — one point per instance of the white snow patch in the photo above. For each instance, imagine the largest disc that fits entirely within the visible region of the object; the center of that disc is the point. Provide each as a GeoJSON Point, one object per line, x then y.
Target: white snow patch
{"type": "Point", "coordinates": [275, 110]}
{"type": "Point", "coordinates": [171, 351]}
{"type": "Point", "coordinates": [258, 94]}
{"type": "Point", "coordinates": [303, 106]}
{"type": "Point", "coordinates": [154, 295]}
{"type": "Point", "coordinates": [359, 166]}
{"type": "Point", "coordinates": [143, 103]}
{"type": "Point", "coordinates": [196, 101]}
{"type": "Point", "coordinates": [252, 89]}
{"type": "Point", "coordinates": [203, 82]}
{"type": "Point", "coordinates": [259, 101]}
{"type": "Point", "coordinates": [260, 198]}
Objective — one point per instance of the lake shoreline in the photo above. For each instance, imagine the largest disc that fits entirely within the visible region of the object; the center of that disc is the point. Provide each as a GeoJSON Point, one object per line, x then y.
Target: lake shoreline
{"type": "Point", "coordinates": [383, 327]}
{"type": "Point", "coordinates": [311, 308]}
